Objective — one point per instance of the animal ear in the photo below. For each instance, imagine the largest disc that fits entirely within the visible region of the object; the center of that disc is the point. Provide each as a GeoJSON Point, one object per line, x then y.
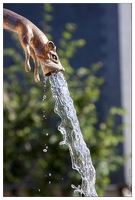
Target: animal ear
{"type": "Point", "coordinates": [51, 46]}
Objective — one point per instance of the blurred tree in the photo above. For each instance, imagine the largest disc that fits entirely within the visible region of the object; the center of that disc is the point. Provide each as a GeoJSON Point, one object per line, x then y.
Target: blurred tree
{"type": "Point", "coordinates": [33, 159]}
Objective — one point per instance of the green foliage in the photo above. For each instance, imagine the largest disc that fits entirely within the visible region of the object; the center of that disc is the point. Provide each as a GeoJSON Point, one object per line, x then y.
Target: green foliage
{"type": "Point", "coordinates": [30, 124]}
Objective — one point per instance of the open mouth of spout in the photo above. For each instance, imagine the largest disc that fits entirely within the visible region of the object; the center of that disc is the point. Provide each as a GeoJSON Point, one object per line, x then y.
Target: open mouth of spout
{"type": "Point", "coordinates": [47, 71]}
{"type": "Point", "coordinates": [50, 73]}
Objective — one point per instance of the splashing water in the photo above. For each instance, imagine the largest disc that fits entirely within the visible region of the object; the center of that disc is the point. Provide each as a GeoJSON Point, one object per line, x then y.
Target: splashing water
{"type": "Point", "coordinates": [72, 136]}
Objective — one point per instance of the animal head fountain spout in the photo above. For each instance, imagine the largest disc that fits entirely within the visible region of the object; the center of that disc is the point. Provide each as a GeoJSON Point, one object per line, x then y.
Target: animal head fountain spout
{"type": "Point", "coordinates": [50, 63]}
{"type": "Point", "coordinates": [35, 44]}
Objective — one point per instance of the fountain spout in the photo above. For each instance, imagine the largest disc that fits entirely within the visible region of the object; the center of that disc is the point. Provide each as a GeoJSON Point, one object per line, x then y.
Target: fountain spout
{"type": "Point", "coordinates": [35, 44]}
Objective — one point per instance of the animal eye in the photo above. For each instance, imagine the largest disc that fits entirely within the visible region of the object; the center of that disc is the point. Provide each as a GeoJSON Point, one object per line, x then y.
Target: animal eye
{"type": "Point", "coordinates": [54, 57]}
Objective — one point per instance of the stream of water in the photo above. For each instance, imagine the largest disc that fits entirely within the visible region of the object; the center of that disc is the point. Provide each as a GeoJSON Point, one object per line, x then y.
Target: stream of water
{"type": "Point", "coordinates": [72, 136]}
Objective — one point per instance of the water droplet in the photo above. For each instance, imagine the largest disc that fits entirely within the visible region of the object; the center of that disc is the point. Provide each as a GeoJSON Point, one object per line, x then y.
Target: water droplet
{"type": "Point", "coordinates": [38, 189]}
{"type": "Point", "coordinates": [74, 187]}
{"type": "Point", "coordinates": [46, 147]}
{"type": "Point", "coordinates": [62, 178]}
{"type": "Point", "coordinates": [44, 150]}
{"type": "Point", "coordinates": [49, 182]}
{"type": "Point", "coordinates": [50, 174]}
{"type": "Point", "coordinates": [28, 146]}
{"type": "Point", "coordinates": [44, 97]}
{"type": "Point", "coordinates": [62, 143]}
{"type": "Point", "coordinates": [47, 134]}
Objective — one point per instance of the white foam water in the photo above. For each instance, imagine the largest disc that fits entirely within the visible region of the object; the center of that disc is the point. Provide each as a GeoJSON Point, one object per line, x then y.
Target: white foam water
{"type": "Point", "coordinates": [72, 136]}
